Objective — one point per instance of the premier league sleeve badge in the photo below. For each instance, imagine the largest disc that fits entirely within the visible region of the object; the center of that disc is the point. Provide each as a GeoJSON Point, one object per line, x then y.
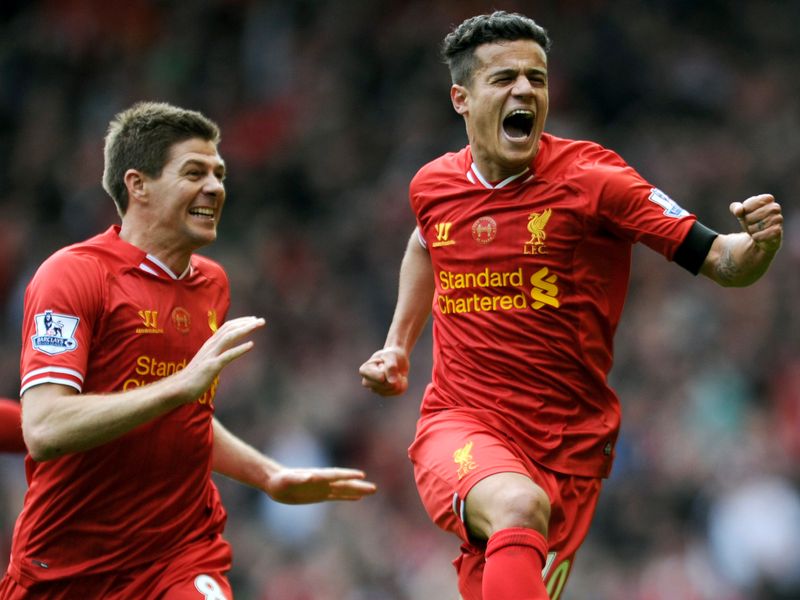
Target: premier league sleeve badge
{"type": "Point", "coordinates": [55, 333]}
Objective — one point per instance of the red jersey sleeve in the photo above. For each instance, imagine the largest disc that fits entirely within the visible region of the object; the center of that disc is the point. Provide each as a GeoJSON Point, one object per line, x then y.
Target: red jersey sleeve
{"type": "Point", "coordinates": [631, 207]}
{"type": "Point", "coordinates": [62, 304]}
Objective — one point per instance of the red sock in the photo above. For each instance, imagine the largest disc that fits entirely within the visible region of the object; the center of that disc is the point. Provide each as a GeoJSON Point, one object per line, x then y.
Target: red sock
{"type": "Point", "coordinates": [515, 558]}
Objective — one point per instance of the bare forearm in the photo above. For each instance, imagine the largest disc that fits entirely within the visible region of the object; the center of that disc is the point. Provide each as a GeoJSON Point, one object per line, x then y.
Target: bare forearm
{"type": "Point", "coordinates": [57, 421]}
{"type": "Point", "coordinates": [386, 371]}
{"type": "Point", "coordinates": [735, 260]}
{"type": "Point", "coordinates": [238, 460]}
{"type": "Point", "coordinates": [414, 297]}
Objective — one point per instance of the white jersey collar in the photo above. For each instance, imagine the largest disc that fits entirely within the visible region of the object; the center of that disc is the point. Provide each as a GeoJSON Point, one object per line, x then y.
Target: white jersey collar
{"type": "Point", "coordinates": [155, 267]}
{"type": "Point", "coordinates": [474, 175]}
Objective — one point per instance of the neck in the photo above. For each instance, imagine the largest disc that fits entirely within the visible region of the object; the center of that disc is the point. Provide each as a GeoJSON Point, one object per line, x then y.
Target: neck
{"type": "Point", "coordinates": [494, 172]}
{"type": "Point", "coordinates": [497, 180]}
{"type": "Point", "coordinates": [154, 244]}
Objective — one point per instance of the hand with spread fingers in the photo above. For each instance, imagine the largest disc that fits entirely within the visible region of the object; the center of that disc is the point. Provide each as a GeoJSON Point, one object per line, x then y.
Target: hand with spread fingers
{"type": "Point", "coordinates": [307, 485]}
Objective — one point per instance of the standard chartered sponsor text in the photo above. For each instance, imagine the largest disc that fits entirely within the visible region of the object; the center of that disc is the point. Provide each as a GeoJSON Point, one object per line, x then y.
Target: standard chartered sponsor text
{"type": "Point", "coordinates": [477, 302]}
{"type": "Point", "coordinates": [482, 279]}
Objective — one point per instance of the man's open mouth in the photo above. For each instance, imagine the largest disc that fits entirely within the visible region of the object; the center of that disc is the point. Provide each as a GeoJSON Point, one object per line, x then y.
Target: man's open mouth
{"type": "Point", "coordinates": [202, 211]}
{"type": "Point", "coordinates": [518, 124]}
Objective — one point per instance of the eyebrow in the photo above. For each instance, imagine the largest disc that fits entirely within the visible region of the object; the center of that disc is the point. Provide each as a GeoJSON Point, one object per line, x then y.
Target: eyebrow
{"type": "Point", "coordinates": [196, 162]}
{"type": "Point", "coordinates": [515, 70]}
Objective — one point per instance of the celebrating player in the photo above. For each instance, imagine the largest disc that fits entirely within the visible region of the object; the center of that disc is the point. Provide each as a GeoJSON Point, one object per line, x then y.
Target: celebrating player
{"type": "Point", "coordinates": [124, 338]}
{"type": "Point", "coordinates": [522, 252]}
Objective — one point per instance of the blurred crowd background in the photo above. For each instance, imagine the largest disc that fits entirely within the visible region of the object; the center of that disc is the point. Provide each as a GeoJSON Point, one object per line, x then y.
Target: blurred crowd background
{"type": "Point", "coordinates": [327, 109]}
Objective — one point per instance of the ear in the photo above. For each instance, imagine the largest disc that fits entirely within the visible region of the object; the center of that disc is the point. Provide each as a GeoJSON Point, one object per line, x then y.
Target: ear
{"type": "Point", "coordinates": [459, 96]}
{"type": "Point", "coordinates": [134, 184]}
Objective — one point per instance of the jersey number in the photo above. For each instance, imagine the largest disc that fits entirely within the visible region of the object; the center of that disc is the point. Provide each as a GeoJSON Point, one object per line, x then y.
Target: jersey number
{"type": "Point", "coordinates": [209, 588]}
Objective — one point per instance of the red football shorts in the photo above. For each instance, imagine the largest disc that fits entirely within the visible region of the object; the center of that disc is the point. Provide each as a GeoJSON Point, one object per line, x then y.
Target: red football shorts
{"type": "Point", "coordinates": [453, 450]}
{"type": "Point", "coordinates": [196, 572]}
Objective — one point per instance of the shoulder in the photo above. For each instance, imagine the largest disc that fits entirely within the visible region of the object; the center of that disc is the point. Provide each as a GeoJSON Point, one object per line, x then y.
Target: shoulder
{"type": "Point", "coordinates": [562, 154]}
{"type": "Point", "coordinates": [209, 269]}
{"type": "Point", "coordinates": [451, 166]}
{"type": "Point", "coordinates": [82, 260]}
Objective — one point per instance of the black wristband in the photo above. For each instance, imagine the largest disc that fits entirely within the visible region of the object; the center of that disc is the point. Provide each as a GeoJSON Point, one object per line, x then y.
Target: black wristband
{"type": "Point", "coordinates": [694, 249]}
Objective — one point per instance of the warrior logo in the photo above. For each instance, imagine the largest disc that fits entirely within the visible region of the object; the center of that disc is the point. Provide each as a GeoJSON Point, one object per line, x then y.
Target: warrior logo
{"type": "Point", "coordinates": [536, 224]}
{"type": "Point", "coordinates": [463, 458]}
{"type": "Point", "coordinates": [55, 333]}
{"type": "Point", "coordinates": [443, 235]}
{"type": "Point", "coordinates": [149, 321]}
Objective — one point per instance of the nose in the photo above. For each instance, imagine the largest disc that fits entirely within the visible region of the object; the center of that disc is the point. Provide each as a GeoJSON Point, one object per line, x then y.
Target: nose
{"type": "Point", "coordinates": [213, 185]}
{"type": "Point", "coordinates": [522, 86]}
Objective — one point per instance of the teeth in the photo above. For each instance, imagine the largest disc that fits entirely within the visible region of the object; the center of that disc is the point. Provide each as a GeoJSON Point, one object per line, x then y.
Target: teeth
{"type": "Point", "coordinates": [203, 212]}
{"type": "Point", "coordinates": [520, 111]}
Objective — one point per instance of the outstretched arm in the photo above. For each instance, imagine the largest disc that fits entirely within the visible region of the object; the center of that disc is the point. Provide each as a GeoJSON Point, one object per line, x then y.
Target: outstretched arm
{"type": "Point", "coordinates": [56, 420]}
{"type": "Point", "coordinates": [234, 458]}
{"type": "Point", "coordinates": [740, 259]}
{"type": "Point", "coordinates": [386, 371]}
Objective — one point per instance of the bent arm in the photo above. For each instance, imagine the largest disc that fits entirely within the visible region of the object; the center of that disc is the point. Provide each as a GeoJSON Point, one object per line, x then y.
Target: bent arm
{"type": "Point", "coordinates": [740, 259]}
{"type": "Point", "coordinates": [386, 372]}
{"type": "Point", "coordinates": [57, 420]}
{"type": "Point", "coordinates": [238, 460]}
{"type": "Point", "coordinates": [414, 297]}
{"type": "Point", "coordinates": [234, 458]}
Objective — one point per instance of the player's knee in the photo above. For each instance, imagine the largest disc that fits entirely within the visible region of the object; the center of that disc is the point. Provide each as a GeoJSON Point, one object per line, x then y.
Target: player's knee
{"type": "Point", "coordinates": [504, 502]}
{"type": "Point", "coordinates": [522, 507]}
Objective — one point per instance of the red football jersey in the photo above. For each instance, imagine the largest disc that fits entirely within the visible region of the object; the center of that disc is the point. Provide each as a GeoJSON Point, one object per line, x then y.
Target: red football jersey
{"type": "Point", "coordinates": [531, 275]}
{"type": "Point", "coordinates": [103, 316]}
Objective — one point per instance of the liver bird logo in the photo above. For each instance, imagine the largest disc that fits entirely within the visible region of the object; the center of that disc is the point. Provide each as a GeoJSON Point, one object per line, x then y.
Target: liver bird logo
{"type": "Point", "coordinates": [463, 458]}
{"type": "Point", "coordinates": [536, 224]}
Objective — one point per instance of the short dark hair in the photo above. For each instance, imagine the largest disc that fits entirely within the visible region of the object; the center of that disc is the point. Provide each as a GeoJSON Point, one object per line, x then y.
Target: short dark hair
{"type": "Point", "coordinates": [140, 138]}
{"type": "Point", "coordinates": [458, 48]}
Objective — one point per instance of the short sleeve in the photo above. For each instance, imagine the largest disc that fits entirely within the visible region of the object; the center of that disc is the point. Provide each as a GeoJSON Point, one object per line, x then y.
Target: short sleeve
{"type": "Point", "coordinates": [62, 304]}
{"type": "Point", "coordinates": [634, 209]}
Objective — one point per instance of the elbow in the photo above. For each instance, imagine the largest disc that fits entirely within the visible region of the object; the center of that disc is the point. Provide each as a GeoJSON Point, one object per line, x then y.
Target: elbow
{"type": "Point", "coordinates": [40, 443]}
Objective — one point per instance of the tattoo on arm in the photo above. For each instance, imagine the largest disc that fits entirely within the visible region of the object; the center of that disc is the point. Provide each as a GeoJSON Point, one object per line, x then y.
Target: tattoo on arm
{"type": "Point", "coordinates": [727, 269]}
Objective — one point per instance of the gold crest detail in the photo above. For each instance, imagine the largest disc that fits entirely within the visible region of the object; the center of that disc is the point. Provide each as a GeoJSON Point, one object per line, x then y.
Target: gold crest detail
{"type": "Point", "coordinates": [463, 458]}
{"type": "Point", "coordinates": [536, 224]}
